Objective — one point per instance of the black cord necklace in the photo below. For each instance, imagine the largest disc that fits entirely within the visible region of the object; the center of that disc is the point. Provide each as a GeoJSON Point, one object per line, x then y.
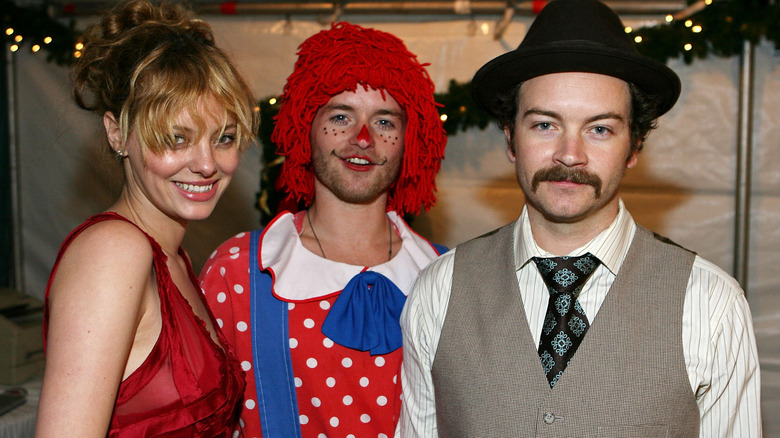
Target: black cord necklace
{"type": "Point", "coordinates": [322, 251]}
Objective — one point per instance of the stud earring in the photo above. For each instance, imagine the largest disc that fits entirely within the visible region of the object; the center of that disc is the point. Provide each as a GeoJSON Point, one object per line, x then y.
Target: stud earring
{"type": "Point", "coordinates": [120, 153]}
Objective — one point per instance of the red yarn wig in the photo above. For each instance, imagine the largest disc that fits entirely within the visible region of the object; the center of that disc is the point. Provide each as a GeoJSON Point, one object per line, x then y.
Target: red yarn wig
{"type": "Point", "coordinates": [337, 60]}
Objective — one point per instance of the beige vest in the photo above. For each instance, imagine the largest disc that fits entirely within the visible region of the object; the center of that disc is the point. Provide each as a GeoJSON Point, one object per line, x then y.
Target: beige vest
{"type": "Point", "coordinates": [628, 378]}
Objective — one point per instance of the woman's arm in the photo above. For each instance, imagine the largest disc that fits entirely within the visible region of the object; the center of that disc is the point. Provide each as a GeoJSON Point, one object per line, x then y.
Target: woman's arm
{"type": "Point", "coordinates": [97, 301]}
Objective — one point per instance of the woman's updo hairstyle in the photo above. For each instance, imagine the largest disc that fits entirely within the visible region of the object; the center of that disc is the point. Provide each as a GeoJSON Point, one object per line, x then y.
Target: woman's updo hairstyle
{"type": "Point", "coordinates": [146, 63]}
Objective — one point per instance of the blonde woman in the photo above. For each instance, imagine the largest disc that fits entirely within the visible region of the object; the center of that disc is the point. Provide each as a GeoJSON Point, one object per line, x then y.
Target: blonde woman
{"type": "Point", "coordinates": [132, 350]}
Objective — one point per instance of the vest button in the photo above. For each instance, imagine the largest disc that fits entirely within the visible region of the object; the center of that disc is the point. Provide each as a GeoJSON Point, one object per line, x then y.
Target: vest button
{"type": "Point", "coordinates": [549, 418]}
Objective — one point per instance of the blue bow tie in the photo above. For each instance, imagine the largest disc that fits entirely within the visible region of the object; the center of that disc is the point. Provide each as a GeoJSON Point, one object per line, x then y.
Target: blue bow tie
{"type": "Point", "coordinates": [366, 315]}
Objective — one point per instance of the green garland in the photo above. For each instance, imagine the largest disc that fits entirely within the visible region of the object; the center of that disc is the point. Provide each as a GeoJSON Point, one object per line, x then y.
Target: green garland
{"type": "Point", "coordinates": [720, 29]}
{"type": "Point", "coordinates": [725, 25]}
{"type": "Point", "coordinates": [268, 197]}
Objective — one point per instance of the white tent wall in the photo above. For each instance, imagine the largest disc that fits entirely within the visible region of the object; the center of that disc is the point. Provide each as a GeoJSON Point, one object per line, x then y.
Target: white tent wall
{"type": "Point", "coordinates": [683, 187]}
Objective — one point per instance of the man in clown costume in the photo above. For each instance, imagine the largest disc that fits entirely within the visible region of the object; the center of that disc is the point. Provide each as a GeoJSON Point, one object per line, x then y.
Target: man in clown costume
{"type": "Point", "coordinates": [311, 302]}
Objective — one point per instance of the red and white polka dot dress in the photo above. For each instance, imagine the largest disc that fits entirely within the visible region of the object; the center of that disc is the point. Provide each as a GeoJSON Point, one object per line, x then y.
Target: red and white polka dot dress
{"type": "Point", "coordinates": [341, 392]}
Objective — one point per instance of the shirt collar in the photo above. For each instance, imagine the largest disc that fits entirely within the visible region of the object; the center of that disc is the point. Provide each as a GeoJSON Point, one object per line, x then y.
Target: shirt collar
{"type": "Point", "coordinates": [300, 275]}
{"type": "Point", "coordinates": [610, 246]}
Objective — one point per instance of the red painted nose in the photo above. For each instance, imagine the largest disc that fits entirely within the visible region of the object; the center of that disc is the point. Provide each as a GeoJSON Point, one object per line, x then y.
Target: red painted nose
{"type": "Point", "coordinates": [363, 135]}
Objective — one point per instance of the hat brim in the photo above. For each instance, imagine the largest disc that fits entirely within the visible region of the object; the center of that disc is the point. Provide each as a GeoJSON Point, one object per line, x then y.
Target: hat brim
{"type": "Point", "coordinates": [506, 71]}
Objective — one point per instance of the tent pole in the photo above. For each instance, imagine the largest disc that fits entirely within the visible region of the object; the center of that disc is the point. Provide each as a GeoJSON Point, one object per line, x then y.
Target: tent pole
{"type": "Point", "coordinates": [13, 167]}
{"type": "Point", "coordinates": [744, 173]}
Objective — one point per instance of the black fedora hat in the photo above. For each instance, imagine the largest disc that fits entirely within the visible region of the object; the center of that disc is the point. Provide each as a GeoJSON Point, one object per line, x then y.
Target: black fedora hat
{"type": "Point", "coordinates": [575, 36]}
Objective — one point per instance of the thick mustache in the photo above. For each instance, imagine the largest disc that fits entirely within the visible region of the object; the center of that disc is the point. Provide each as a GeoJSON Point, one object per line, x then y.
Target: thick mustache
{"type": "Point", "coordinates": [578, 176]}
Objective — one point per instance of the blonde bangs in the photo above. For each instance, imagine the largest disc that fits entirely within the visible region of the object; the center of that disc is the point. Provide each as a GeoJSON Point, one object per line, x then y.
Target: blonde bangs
{"type": "Point", "coordinates": [166, 84]}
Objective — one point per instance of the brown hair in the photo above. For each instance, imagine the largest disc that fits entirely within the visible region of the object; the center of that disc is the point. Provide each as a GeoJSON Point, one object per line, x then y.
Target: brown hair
{"type": "Point", "coordinates": [145, 64]}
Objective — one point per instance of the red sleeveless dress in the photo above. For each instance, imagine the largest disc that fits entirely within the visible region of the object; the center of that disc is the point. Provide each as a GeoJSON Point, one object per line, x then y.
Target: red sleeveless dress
{"type": "Point", "coordinates": [188, 386]}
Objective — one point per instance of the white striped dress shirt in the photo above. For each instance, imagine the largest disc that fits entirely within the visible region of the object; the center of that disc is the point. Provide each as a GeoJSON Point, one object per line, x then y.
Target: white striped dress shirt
{"type": "Point", "coordinates": [718, 341]}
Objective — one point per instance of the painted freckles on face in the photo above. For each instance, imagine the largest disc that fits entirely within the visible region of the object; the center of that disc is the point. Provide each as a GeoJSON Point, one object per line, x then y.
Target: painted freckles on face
{"type": "Point", "coordinates": [386, 139]}
{"type": "Point", "coordinates": [571, 145]}
{"type": "Point", "coordinates": [357, 145]}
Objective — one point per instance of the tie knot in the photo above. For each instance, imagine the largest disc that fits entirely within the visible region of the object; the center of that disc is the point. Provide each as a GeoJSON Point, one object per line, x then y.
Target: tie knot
{"type": "Point", "coordinates": [566, 274]}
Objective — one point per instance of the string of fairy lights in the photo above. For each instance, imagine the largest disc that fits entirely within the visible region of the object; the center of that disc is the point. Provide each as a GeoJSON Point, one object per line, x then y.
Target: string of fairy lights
{"type": "Point", "coordinates": [34, 27]}
{"type": "Point", "coordinates": [703, 28]}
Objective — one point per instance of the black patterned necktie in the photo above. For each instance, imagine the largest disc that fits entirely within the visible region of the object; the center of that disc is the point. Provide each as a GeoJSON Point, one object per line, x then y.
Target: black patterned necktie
{"type": "Point", "coordinates": [565, 323]}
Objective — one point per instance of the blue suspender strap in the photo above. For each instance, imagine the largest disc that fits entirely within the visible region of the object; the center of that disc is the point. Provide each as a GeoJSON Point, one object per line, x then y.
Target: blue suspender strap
{"type": "Point", "coordinates": [276, 401]}
{"type": "Point", "coordinates": [441, 249]}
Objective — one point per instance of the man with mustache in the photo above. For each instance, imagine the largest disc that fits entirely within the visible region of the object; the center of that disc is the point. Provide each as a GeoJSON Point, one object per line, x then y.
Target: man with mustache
{"type": "Point", "coordinates": [311, 302]}
{"type": "Point", "coordinates": [574, 320]}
